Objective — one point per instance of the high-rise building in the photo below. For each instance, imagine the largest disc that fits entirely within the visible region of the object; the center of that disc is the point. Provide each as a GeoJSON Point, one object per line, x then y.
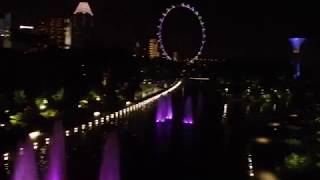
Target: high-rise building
{"type": "Point", "coordinates": [56, 31]}
{"type": "Point", "coordinates": [5, 33]}
{"type": "Point", "coordinates": [154, 49]}
{"type": "Point", "coordinates": [82, 25]}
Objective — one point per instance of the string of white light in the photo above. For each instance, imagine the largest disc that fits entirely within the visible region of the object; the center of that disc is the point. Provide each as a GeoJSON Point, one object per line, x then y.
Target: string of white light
{"type": "Point", "coordinates": [160, 29]}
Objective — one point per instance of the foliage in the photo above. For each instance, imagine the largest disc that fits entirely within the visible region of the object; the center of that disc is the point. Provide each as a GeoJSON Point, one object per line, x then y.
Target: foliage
{"type": "Point", "coordinates": [297, 161]}
{"type": "Point", "coordinates": [58, 96]}
{"type": "Point", "coordinates": [17, 119]}
{"type": "Point", "coordinates": [293, 142]}
{"type": "Point", "coordinates": [50, 113]}
{"type": "Point", "coordinates": [19, 97]}
{"type": "Point", "coordinates": [41, 102]}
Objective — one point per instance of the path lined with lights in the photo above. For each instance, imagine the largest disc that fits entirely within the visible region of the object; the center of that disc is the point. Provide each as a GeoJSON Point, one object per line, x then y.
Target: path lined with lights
{"type": "Point", "coordinates": [99, 121]}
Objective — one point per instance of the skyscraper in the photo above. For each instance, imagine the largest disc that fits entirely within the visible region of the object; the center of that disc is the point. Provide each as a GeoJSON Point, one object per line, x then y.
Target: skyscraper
{"type": "Point", "coordinates": [82, 25]}
{"type": "Point", "coordinates": [154, 49]}
{"type": "Point", "coordinates": [5, 33]}
{"type": "Point", "coordinates": [57, 32]}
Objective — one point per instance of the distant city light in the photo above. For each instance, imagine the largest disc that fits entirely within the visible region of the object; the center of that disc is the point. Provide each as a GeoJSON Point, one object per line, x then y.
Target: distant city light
{"type": "Point", "coordinates": [47, 141]}
{"type": "Point", "coordinates": [67, 133]}
{"type": "Point", "coordinates": [26, 27]}
{"type": "Point", "coordinates": [6, 156]}
{"type": "Point", "coordinates": [274, 124]}
{"type": "Point", "coordinates": [34, 135]}
{"type": "Point", "coordinates": [35, 145]}
{"type": "Point", "coordinates": [42, 107]}
{"type": "Point", "coordinates": [263, 140]}
{"type": "Point", "coordinates": [293, 115]}
{"type": "Point", "coordinates": [128, 103]}
{"type": "Point", "coordinates": [96, 114]}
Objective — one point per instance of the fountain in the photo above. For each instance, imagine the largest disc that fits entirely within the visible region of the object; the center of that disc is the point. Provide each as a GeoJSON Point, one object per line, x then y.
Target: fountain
{"type": "Point", "coordinates": [160, 116]}
{"type": "Point", "coordinates": [188, 115]}
{"type": "Point", "coordinates": [25, 164]}
{"type": "Point", "coordinates": [164, 109]}
{"type": "Point", "coordinates": [56, 167]}
{"type": "Point", "coordinates": [110, 166]}
{"type": "Point", "coordinates": [169, 114]}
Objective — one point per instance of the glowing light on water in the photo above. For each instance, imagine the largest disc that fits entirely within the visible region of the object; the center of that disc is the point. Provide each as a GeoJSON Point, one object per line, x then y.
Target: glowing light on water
{"type": "Point", "coordinates": [47, 141]}
{"type": "Point", "coordinates": [161, 110]}
{"type": "Point", "coordinates": [67, 133]}
{"type": "Point", "coordinates": [25, 165]}
{"type": "Point", "coordinates": [6, 156]}
{"type": "Point", "coordinates": [263, 140]}
{"type": "Point", "coordinates": [96, 114]}
{"type": "Point", "coordinates": [34, 135]}
{"type": "Point", "coordinates": [110, 166]}
{"type": "Point", "coordinates": [188, 114]}
{"type": "Point", "coordinates": [250, 166]}
{"type": "Point", "coordinates": [169, 114]}
{"type": "Point", "coordinates": [56, 167]}
{"type": "Point", "coordinates": [225, 111]}
{"type": "Point", "coordinates": [35, 145]}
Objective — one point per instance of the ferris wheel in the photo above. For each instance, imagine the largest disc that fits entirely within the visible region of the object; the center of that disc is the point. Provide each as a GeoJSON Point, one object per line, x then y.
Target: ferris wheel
{"type": "Point", "coordinates": [169, 10]}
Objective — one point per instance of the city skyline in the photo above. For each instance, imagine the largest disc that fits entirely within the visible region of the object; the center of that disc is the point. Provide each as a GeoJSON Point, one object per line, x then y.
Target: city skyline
{"type": "Point", "coordinates": [234, 29]}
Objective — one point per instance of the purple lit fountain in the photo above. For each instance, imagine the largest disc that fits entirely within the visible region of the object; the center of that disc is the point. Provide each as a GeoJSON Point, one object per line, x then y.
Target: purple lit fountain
{"type": "Point", "coordinates": [188, 115]}
{"type": "Point", "coordinates": [25, 164]}
{"type": "Point", "coordinates": [110, 167]}
{"type": "Point", "coordinates": [56, 167]}
{"type": "Point", "coordinates": [160, 116]}
{"type": "Point", "coordinates": [169, 114]}
{"type": "Point", "coordinates": [164, 109]}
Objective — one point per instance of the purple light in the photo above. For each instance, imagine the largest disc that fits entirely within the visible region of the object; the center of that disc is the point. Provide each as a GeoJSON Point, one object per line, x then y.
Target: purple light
{"type": "Point", "coordinates": [25, 164]}
{"type": "Point", "coordinates": [56, 168]}
{"type": "Point", "coordinates": [110, 167]}
{"type": "Point", "coordinates": [164, 109]}
{"type": "Point", "coordinates": [188, 115]}
{"type": "Point", "coordinates": [160, 116]}
{"type": "Point", "coordinates": [296, 44]}
{"type": "Point", "coordinates": [169, 114]}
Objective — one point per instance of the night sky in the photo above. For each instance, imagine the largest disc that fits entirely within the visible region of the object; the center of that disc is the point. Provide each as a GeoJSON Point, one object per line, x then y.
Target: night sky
{"type": "Point", "coordinates": [235, 28]}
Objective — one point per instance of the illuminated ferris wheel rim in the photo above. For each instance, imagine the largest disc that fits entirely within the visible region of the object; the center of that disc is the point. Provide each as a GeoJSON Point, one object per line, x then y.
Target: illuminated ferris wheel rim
{"type": "Point", "coordinates": [160, 27]}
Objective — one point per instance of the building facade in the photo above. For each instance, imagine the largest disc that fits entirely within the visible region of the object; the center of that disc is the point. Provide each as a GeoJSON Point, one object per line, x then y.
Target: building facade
{"type": "Point", "coordinates": [5, 30]}
{"type": "Point", "coordinates": [154, 49]}
{"type": "Point", "coordinates": [55, 32]}
{"type": "Point", "coordinates": [82, 26]}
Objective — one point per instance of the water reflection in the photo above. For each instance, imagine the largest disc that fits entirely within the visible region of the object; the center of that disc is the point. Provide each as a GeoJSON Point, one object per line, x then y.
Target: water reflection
{"type": "Point", "coordinates": [110, 166]}
{"type": "Point", "coordinates": [188, 114]}
{"type": "Point", "coordinates": [25, 164]}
